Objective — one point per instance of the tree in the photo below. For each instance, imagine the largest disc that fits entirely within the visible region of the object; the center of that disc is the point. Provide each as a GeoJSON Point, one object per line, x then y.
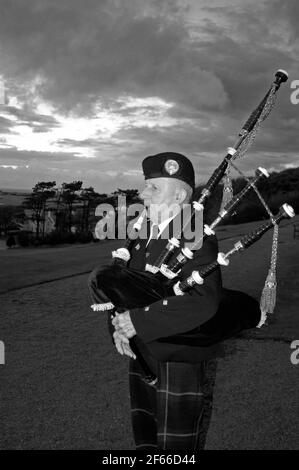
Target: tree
{"type": "Point", "coordinates": [90, 199]}
{"type": "Point", "coordinates": [69, 195]}
{"type": "Point", "coordinates": [37, 201]}
{"type": "Point", "coordinates": [131, 195]}
{"type": "Point", "coordinates": [6, 217]}
{"type": "Point", "coordinates": [59, 211]}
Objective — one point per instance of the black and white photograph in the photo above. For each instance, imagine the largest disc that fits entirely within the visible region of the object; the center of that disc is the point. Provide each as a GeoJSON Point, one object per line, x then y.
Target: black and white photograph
{"type": "Point", "coordinates": [149, 228]}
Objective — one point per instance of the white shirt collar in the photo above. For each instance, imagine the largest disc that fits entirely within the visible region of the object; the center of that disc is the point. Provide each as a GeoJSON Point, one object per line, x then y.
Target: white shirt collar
{"type": "Point", "coordinates": [162, 226]}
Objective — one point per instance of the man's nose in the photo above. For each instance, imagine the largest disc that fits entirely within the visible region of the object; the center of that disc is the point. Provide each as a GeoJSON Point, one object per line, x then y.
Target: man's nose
{"type": "Point", "coordinates": [146, 194]}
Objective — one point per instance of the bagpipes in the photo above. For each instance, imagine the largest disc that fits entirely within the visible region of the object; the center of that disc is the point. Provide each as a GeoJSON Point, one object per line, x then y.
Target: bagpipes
{"type": "Point", "coordinates": [117, 287]}
{"type": "Point", "coordinates": [129, 288]}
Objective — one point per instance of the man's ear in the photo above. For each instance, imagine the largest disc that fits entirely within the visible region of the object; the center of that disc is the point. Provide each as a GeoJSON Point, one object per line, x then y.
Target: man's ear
{"type": "Point", "coordinates": [180, 195]}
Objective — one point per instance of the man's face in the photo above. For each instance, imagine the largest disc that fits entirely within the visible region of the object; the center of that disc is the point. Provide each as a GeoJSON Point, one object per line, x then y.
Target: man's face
{"type": "Point", "coordinates": [160, 198]}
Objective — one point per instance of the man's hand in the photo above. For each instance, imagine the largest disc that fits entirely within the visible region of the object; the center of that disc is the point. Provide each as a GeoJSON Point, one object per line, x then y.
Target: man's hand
{"type": "Point", "coordinates": [124, 330]}
{"type": "Point", "coordinates": [122, 345]}
{"type": "Point", "coordinates": [123, 325]}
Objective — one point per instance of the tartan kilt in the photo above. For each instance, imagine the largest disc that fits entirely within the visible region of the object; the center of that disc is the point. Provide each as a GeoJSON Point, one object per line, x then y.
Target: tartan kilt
{"type": "Point", "coordinates": [168, 415]}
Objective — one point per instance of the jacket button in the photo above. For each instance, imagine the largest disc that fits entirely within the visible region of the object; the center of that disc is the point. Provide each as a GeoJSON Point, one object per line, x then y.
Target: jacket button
{"type": "Point", "coordinates": [147, 254]}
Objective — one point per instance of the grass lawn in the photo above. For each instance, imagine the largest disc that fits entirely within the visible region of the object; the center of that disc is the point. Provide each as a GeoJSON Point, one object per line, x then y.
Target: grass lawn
{"type": "Point", "coordinates": [63, 386]}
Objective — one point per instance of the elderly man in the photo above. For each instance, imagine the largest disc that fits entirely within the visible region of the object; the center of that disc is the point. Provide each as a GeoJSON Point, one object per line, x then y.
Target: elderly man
{"type": "Point", "coordinates": [168, 415]}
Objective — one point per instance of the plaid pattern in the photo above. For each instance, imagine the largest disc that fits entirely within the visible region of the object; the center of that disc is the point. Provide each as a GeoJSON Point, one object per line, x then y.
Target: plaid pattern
{"type": "Point", "coordinates": [167, 416]}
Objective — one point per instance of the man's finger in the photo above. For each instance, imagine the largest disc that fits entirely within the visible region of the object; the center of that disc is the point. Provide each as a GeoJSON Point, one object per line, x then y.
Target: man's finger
{"type": "Point", "coordinates": [128, 351]}
{"type": "Point", "coordinates": [124, 348]}
{"type": "Point", "coordinates": [121, 336]}
{"type": "Point", "coordinates": [118, 347]}
{"type": "Point", "coordinates": [123, 322]}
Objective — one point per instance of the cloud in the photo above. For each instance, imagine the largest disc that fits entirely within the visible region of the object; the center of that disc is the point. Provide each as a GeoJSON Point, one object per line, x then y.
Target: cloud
{"type": "Point", "coordinates": [104, 49]}
{"type": "Point", "coordinates": [285, 18]}
{"type": "Point", "coordinates": [117, 81]}
{"type": "Point", "coordinates": [14, 155]}
{"type": "Point", "coordinates": [5, 125]}
{"type": "Point", "coordinates": [27, 116]}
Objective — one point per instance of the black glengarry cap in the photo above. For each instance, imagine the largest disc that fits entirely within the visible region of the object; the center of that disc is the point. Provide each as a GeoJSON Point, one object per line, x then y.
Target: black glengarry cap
{"type": "Point", "coordinates": [169, 165]}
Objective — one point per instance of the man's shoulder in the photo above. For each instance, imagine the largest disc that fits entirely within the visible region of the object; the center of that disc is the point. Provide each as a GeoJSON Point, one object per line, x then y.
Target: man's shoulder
{"type": "Point", "coordinates": [205, 255]}
{"type": "Point", "coordinates": [211, 243]}
{"type": "Point", "coordinates": [209, 248]}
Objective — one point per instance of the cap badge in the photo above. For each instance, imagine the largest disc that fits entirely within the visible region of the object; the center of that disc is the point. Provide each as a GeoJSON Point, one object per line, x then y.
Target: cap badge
{"type": "Point", "coordinates": [171, 166]}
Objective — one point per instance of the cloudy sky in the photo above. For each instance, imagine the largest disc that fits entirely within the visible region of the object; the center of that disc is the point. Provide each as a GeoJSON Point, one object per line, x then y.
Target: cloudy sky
{"type": "Point", "coordinates": [91, 87]}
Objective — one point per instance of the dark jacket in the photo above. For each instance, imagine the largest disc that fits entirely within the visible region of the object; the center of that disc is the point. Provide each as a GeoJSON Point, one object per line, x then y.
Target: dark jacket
{"type": "Point", "coordinates": [187, 328]}
{"type": "Point", "coordinates": [162, 327]}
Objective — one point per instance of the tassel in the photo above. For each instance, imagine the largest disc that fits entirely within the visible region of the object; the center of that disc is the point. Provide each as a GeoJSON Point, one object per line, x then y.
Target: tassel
{"type": "Point", "coordinates": [268, 297]}
{"type": "Point", "coordinates": [102, 307]}
{"type": "Point", "coordinates": [227, 190]}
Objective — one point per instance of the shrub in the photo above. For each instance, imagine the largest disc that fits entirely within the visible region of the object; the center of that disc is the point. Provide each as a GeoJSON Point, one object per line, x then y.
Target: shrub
{"type": "Point", "coordinates": [23, 239]}
{"type": "Point", "coordinates": [70, 238]}
{"type": "Point", "coordinates": [85, 237]}
{"type": "Point", "coordinates": [53, 238]}
{"type": "Point", "coordinates": [248, 212]}
{"type": "Point", "coordinates": [10, 241]}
